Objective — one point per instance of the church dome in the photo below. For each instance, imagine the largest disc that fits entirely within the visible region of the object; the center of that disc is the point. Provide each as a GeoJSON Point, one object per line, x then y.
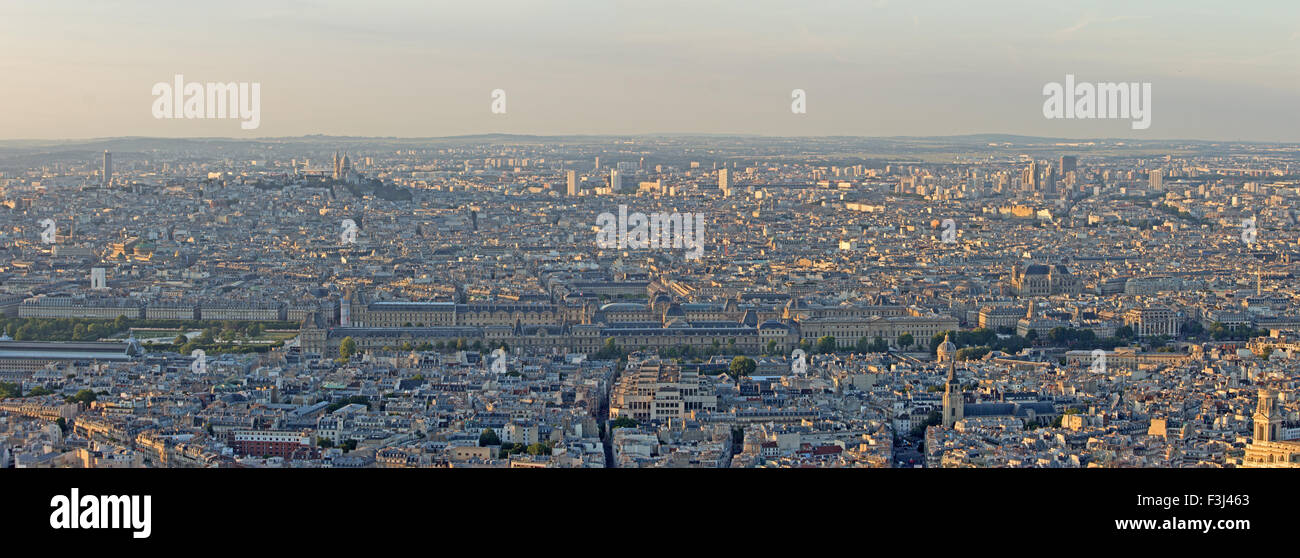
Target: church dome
{"type": "Point", "coordinates": [947, 350]}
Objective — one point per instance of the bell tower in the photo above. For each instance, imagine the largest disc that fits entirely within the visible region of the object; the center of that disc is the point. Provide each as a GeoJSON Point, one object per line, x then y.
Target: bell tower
{"type": "Point", "coordinates": [1268, 421]}
{"type": "Point", "coordinates": [954, 407]}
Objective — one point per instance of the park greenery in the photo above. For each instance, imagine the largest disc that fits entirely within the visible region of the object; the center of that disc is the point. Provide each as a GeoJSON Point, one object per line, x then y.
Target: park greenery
{"type": "Point", "coordinates": [11, 390]}
{"type": "Point", "coordinates": [622, 422]}
{"type": "Point", "coordinates": [216, 337]}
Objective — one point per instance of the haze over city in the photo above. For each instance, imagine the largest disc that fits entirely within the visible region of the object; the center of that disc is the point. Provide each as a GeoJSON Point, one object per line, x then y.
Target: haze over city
{"type": "Point", "coordinates": [84, 69]}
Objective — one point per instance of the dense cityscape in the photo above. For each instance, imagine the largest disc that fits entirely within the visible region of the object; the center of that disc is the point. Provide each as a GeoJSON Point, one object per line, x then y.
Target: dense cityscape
{"type": "Point", "coordinates": [649, 301]}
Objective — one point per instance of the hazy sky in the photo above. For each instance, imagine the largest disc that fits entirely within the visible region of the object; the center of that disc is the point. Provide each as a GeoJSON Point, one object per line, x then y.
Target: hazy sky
{"type": "Point", "coordinates": [1219, 70]}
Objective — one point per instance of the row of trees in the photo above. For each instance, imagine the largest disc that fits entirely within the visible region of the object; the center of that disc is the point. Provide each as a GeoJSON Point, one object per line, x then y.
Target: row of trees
{"type": "Point", "coordinates": [827, 344]}
{"type": "Point", "coordinates": [623, 422]}
{"type": "Point", "coordinates": [13, 390]}
{"type": "Point", "coordinates": [536, 448]}
{"type": "Point", "coordinates": [212, 348]}
{"type": "Point", "coordinates": [489, 437]}
{"type": "Point", "coordinates": [611, 350]}
{"type": "Point", "coordinates": [10, 389]}
{"type": "Point", "coordinates": [973, 344]}
{"type": "Point", "coordinates": [88, 329]}
{"type": "Point", "coordinates": [1221, 332]}
{"type": "Point", "coordinates": [981, 340]}
{"type": "Point", "coordinates": [976, 343]}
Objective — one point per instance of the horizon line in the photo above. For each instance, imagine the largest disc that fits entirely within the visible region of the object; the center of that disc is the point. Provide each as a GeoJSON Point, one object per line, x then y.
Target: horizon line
{"type": "Point", "coordinates": [645, 135]}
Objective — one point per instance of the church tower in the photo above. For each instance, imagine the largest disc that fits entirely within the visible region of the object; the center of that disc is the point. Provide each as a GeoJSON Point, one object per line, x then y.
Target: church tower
{"type": "Point", "coordinates": [1268, 421]}
{"type": "Point", "coordinates": [953, 404]}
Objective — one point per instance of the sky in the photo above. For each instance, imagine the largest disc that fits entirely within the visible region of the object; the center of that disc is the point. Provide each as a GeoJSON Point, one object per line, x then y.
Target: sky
{"type": "Point", "coordinates": [86, 68]}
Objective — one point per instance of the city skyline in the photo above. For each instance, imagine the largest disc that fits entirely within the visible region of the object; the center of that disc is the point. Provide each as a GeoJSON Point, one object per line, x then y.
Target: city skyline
{"type": "Point", "coordinates": [808, 297]}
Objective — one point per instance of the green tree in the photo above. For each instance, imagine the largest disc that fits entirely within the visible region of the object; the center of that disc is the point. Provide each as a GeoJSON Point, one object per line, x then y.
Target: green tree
{"type": "Point", "coordinates": [826, 344]}
{"type": "Point", "coordinates": [622, 422]}
{"type": "Point", "coordinates": [489, 438]}
{"type": "Point", "coordinates": [347, 347]}
{"type": "Point", "coordinates": [742, 366]}
{"type": "Point", "coordinates": [84, 396]}
{"type": "Point", "coordinates": [610, 351]}
{"type": "Point", "coordinates": [933, 419]}
{"type": "Point", "coordinates": [905, 340]}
